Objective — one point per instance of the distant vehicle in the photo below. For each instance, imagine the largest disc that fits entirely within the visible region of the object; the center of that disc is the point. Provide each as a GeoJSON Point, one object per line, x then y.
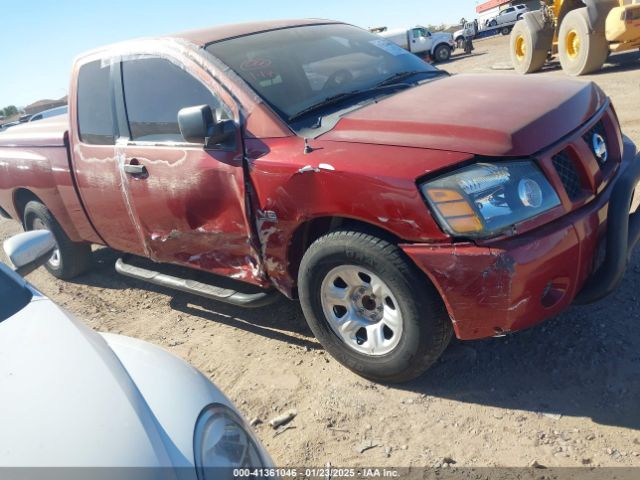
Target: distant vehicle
{"type": "Point", "coordinates": [8, 125]}
{"type": "Point", "coordinates": [509, 15]}
{"type": "Point", "coordinates": [52, 112]}
{"type": "Point", "coordinates": [24, 118]}
{"type": "Point", "coordinates": [476, 32]}
{"type": "Point", "coordinates": [103, 400]}
{"type": "Point", "coordinates": [421, 41]}
{"type": "Point", "coordinates": [502, 24]}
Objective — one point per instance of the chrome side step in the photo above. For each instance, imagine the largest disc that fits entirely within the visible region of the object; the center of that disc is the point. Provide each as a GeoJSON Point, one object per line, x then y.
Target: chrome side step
{"type": "Point", "coordinates": [247, 300]}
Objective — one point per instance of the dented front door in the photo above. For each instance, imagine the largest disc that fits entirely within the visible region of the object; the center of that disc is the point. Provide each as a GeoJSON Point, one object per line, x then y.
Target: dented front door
{"type": "Point", "coordinates": [187, 201]}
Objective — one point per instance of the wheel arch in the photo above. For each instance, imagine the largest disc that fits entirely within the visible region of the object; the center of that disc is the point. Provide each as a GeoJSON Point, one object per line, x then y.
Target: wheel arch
{"type": "Point", "coordinates": [435, 46]}
{"type": "Point", "coordinates": [21, 197]}
{"type": "Point", "coordinates": [597, 11]}
{"type": "Point", "coordinates": [310, 230]}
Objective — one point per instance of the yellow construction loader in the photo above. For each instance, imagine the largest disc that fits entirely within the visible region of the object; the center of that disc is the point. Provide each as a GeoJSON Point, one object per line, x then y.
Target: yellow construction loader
{"type": "Point", "coordinates": [582, 33]}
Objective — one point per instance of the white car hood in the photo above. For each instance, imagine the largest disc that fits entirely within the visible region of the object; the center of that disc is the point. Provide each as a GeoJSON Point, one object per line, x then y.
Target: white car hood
{"type": "Point", "coordinates": [66, 399]}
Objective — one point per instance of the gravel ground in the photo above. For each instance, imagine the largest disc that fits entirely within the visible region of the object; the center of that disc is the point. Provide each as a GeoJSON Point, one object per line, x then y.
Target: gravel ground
{"type": "Point", "coordinates": [562, 394]}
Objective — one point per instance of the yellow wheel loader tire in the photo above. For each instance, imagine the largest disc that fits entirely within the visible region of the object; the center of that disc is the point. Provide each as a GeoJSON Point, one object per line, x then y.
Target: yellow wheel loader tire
{"type": "Point", "coordinates": [527, 55]}
{"type": "Point", "coordinates": [581, 50]}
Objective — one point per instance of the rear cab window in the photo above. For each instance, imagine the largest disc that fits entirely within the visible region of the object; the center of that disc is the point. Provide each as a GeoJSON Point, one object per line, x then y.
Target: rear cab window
{"type": "Point", "coordinates": [95, 106]}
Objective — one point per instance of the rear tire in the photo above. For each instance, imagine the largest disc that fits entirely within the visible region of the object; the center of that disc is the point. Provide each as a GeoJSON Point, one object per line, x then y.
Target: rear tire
{"type": "Point", "coordinates": [442, 53]}
{"type": "Point", "coordinates": [70, 258]}
{"type": "Point", "coordinates": [580, 52]}
{"type": "Point", "coordinates": [342, 270]}
{"type": "Point", "coordinates": [528, 48]}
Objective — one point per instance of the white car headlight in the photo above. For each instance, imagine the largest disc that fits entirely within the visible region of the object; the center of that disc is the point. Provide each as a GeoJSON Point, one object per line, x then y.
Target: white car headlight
{"type": "Point", "coordinates": [223, 442]}
{"type": "Point", "coordinates": [485, 199]}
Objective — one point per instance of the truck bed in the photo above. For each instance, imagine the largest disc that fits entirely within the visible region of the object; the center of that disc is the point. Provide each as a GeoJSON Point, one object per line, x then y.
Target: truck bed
{"type": "Point", "coordinates": [34, 165]}
{"type": "Point", "coordinates": [43, 133]}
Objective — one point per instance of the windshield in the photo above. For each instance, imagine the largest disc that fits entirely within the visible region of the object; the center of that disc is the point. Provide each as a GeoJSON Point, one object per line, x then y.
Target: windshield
{"type": "Point", "coordinates": [14, 295]}
{"type": "Point", "coordinates": [294, 69]}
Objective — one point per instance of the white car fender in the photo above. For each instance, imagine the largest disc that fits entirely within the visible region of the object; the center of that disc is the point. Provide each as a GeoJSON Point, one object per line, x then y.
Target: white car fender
{"type": "Point", "coordinates": [163, 381]}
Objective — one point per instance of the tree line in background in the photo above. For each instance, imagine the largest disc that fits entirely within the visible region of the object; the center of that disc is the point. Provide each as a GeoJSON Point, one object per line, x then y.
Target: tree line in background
{"type": "Point", "coordinates": [9, 111]}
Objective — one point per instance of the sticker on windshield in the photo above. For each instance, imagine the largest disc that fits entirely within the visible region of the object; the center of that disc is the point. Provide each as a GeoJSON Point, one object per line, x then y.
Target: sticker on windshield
{"type": "Point", "coordinates": [255, 64]}
{"type": "Point", "coordinates": [389, 47]}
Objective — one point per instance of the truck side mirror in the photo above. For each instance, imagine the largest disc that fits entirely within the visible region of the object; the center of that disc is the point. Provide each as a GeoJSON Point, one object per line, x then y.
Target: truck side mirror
{"type": "Point", "coordinates": [199, 125]}
{"type": "Point", "coordinates": [30, 250]}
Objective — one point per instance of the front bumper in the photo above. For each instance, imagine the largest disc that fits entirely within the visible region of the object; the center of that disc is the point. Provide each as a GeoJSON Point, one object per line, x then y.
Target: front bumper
{"type": "Point", "coordinates": [518, 282]}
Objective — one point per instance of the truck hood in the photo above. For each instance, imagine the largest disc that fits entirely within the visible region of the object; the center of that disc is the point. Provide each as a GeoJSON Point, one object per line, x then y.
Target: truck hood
{"type": "Point", "coordinates": [442, 35]}
{"type": "Point", "coordinates": [476, 114]}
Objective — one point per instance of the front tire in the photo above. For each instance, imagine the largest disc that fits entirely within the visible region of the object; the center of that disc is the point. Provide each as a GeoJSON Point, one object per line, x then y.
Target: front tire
{"type": "Point", "coordinates": [370, 308]}
{"type": "Point", "coordinates": [70, 259]}
{"type": "Point", "coordinates": [442, 53]}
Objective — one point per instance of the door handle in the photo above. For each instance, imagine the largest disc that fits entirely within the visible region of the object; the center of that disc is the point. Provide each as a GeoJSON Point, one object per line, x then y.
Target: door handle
{"type": "Point", "coordinates": [138, 170]}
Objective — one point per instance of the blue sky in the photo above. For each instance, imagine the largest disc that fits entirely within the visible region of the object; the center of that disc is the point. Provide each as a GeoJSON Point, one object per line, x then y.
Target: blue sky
{"type": "Point", "coordinates": [41, 37]}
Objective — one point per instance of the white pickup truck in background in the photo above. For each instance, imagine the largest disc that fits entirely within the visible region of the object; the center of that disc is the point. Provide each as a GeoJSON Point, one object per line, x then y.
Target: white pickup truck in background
{"type": "Point", "coordinates": [420, 41]}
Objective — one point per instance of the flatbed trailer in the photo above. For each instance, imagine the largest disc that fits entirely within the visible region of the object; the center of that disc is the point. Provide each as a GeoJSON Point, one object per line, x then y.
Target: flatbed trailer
{"type": "Point", "coordinates": [485, 32]}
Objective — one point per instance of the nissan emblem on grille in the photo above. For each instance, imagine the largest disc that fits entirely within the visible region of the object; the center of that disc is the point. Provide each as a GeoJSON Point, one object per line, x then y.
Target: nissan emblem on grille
{"type": "Point", "coordinates": [600, 147]}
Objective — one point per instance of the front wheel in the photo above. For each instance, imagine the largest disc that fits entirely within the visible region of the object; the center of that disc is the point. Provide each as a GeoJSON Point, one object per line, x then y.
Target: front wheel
{"type": "Point", "coordinates": [442, 53]}
{"type": "Point", "coordinates": [370, 307]}
{"type": "Point", "coordinates": [69, 259]}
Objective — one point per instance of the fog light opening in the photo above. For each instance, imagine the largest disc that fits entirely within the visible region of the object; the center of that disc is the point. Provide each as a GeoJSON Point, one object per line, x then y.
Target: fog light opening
{"type": "Point", "coordinates": [554, 292]}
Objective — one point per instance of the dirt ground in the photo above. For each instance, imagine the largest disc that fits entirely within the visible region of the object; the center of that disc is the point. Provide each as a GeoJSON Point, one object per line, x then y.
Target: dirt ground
{"type": "Point", "coordinates": [562, 394]}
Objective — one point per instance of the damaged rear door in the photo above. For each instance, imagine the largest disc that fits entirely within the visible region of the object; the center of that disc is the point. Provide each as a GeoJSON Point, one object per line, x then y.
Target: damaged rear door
{"type": "Point", "coordinates": [188, 202]}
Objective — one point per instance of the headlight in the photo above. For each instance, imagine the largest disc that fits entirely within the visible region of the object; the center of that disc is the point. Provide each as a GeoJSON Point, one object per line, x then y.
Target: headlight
{"type": "Point", "coordinates": [485, 199]}
{"type": "Point", "coordinates": [223, 442]}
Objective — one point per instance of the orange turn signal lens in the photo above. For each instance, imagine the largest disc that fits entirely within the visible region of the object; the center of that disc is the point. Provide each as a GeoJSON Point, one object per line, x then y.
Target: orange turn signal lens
{"type": "Point", "coordinates": [455, 210]}
{"type": "Point", "coordinates": [438, 195]}
{"type": "Point", "coordinates": [465, 224]}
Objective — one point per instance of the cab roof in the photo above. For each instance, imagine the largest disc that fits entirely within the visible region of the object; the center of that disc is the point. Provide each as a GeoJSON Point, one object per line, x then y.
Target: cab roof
{"type": "Point", "coordinates": [205, 36]}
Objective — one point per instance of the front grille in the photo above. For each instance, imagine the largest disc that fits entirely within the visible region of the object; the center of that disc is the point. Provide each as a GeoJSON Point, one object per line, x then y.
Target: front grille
{"type": "Point", "coordinates": [597, 129]}
{"type": "Point", "coordinates": [568, 175]}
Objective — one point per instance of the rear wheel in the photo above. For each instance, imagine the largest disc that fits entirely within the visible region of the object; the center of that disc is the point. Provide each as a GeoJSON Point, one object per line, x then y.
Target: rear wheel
{"type": "Point", "coordinates": [580, 51]}
{"type": "Point", "coordinates": [442, 53]}
{"type": "Point", "coordinates": [493, 23]}
{"type": "Point", "coordinates": [528, 48]}
{"type": "Point", "coordinates": [370, 307]}
{"type": "Point", "coordinates": [69, 259]}
{"type": "Point", "coordinates": [505, 31]}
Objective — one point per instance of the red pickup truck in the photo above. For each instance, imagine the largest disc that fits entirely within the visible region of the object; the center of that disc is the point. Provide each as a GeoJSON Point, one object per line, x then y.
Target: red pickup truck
{"type": "Point", "coordinates": [398, 203]}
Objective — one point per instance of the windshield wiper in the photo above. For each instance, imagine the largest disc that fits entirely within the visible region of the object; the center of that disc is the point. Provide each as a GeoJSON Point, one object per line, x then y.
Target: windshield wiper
{"type": "Point", "coordinates": [403, 75]}
{"type": "Point", "coordinates": [393, 81]}
{"type": "Point", "coordinates": [327, 102]}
